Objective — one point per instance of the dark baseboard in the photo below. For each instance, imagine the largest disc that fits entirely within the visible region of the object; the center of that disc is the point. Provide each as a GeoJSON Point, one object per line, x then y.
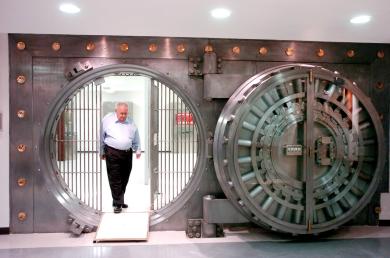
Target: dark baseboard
{"type": "Point", "coordinates": [4, 231]}
{"type": "Point", "coordinates": [384, 223]}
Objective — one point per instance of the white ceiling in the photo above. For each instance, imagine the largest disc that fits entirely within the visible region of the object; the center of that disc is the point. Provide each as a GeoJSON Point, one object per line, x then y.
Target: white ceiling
{"type": "Point", "coordinates": [312, 20]}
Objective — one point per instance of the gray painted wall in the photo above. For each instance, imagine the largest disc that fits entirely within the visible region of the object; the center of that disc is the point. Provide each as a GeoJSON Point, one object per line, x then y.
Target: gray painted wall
{"type": "Point", "coordinates": [4, 132]}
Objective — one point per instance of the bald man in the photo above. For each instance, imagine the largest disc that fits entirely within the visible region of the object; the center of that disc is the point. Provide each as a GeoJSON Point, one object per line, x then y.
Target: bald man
{"type": "Point", "coordinates": [119, 138]}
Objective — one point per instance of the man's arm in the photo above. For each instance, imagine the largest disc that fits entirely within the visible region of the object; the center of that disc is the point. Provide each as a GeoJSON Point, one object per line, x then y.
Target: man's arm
{"type": "Point", "coordinates": [102, 136]}
{"type": "Point", "coordinates": [137, 144]}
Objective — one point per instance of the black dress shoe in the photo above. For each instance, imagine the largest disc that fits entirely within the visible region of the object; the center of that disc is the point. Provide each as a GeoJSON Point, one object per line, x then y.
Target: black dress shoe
{"type": "Point", "coordinates": [117, 209]}
{"type": "Point", "coordinates": [125, 206]}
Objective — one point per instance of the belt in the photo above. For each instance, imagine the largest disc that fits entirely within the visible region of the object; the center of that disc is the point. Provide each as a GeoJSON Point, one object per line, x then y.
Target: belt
{"type": "Point", "coordinates": [128, 150]}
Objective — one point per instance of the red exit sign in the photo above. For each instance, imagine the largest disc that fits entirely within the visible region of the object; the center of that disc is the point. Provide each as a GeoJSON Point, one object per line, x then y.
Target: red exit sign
{"type": "Point", "coordinates": [184, 119]}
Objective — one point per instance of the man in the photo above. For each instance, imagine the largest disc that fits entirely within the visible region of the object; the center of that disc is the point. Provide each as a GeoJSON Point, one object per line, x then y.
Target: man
{"type": "Point", "coordinates": [119, 137]}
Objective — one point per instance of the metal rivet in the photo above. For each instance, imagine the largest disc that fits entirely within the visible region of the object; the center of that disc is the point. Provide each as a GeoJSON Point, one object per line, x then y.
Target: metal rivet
{"type": "Point", "coordinates": [22, 216]}
{"type": "Point", "coordinates": [320, 52]}
{"type": "Point", "coordinates": [380, 54]}
{"type": "Point", "coordinates": [21, 148]}
{"type": "Point", "coordinates": [236, 50]}
{"type": "Point", "coordinates": [351, 53]}
{"type": "Point", "coordinates": [21, 113]}
{"type": "Point", "coordinates": [208, 49]}
{"type": "Point", "coordinates": [21, 45]}
{"type": "Point", "coordinates": [22, 182]}
{"type": "Point", "coordinates": [124, 47]}
{"type": "Point", "coordinates": [289, 51]}
{"type": "Point", "coordinates": [90, 46]}
{"type": "Point", "coordinates": [56, 46]}
{"type": "Point", "coordinates": [263, 51]}
{"type": "Point", "coordinates": [181, 48]}
{"type": "Point", "coordinates": [21, 79]}
{"type": "Point", "coordinates": [152, 47]}
{"type": "Point", "coordinates": [379, 85]}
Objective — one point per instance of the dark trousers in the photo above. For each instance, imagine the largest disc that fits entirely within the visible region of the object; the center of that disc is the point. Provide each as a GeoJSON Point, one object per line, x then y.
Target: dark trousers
{"type": "Point", "coordinates": [119, 164]}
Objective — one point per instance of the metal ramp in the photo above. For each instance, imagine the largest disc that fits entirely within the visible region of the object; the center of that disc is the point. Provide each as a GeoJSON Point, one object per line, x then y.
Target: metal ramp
{"type": "Point", "coordinates": [124, 226]}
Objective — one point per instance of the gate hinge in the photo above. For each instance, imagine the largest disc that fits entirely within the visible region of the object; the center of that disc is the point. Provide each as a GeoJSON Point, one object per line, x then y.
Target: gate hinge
{"type": "Point", "coordinates": [77, 227]}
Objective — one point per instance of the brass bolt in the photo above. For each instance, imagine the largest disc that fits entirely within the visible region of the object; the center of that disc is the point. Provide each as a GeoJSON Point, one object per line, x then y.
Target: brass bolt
{"type": "Point", "coordinates": [20, 45]}
{"type": "Point", "coordinates": [21, 148]}
{"type": "Point", "coordinates": [377, 210]}
{"type": "Point", "coordinates": [22, 182]}
{"type": "Point", "coordinates": [236, 50]}
{"type": "Point", "coordinates": [380, 85]}
{"type": "Point", "coordinates": [21, 79]}
{"type": "Point", "coordinates": [380, 54]}
{"type": "Point", "coordinates": [56, 46]}
{"type": "Point", "coordinates": [263, 51]}
{"type": "Point", "coordinates": [289, 51]}
{"type": "Point", "coordinates": [21, 113]}
{"type": "Point", "coordinates": [152, 48]}
{"type": "Point", "coordinates": [124, 47]}
{"type": "Point", "coordinates": [22, 216]}
{"type": "Point", "coordinates": [320, 52]}
{"type": "Point", "coordinates": [180, 48]}
{"type": "Point", "coordinates": [208, 49]}
{"type": "Point", "coordinates": [90, 46]}
{"type": "Point", "coordinates": [350, 53]}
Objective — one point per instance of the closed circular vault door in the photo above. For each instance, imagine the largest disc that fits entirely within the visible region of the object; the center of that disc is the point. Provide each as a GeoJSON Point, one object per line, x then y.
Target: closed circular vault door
{"type": "Point", "coordinates": [298, 149]}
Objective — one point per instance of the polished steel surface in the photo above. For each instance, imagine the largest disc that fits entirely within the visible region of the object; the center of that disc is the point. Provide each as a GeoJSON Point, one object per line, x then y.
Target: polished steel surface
{"type": "Point", "coordinates": [50, 209]}
{"type": "Point", "coordinates": [299, 149]}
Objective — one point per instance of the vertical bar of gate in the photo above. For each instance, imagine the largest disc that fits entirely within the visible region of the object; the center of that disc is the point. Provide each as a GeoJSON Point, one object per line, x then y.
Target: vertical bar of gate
{"type": "Point", "coordinates": [169, 145]}
{"type": "Point", "coordinates": [92, 182]}
{"type": "Point", "coordinates": [100, 161]}
{"type": "Point", "coordinates": [90, 143]}
{"type": "Point", "coordinates": [82, 175]}
{"type": "Point", "coordinates": [87, 183]}
{"type": "Point", "coordinates": [66, 137]}
{"type": "Point", "coordinates": [181, 145]}
{"type": "Point", "coordinates": [185, 147]}
{"type": "Point", "coordinates": [72, 133]}
{"type": "Point", "coordinates": [176, 145]}
{"type": "Point", "coordinates": [165, 144]}
{"type": "Point", "coordinates": [160, 136]}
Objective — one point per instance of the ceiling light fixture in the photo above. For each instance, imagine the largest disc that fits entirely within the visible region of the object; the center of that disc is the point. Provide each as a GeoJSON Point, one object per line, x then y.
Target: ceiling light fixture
{"type": "Point", "coordinates": [69, 8]}
{"type": "Point", "coordinates": [220, 13]}
{"type": "Point", "coordinates": [361, 19]}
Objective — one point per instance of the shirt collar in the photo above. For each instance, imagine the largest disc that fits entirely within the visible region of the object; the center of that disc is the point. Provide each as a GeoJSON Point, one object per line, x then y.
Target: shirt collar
{"type": "Point", "coordinates": [117, 120]}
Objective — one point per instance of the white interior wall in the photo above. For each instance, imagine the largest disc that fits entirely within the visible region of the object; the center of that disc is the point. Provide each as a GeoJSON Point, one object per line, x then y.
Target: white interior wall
{"type": "Point", "coordinates": [4, 132]}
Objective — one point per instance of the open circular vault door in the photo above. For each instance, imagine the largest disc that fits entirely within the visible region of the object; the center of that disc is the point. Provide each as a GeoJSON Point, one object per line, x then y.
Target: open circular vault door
{"type": "Point", "coordinates": [299, 149]}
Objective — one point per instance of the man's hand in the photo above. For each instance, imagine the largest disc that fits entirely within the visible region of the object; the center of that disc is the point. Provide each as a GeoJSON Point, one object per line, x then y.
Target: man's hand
{"type": "Point", "coordinates": [103, 157]}
{"type": "Point", "coordinates": [138, 154]}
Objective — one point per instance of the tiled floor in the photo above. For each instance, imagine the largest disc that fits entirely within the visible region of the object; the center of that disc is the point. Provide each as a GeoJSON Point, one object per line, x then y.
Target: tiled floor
{"type": "Point", "coordinates": [362, 241]}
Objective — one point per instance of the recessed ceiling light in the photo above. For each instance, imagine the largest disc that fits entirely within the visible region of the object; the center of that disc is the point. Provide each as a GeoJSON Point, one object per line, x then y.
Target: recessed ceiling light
{"type": "Point", "coordinates": [361, 19]}
{"type": "Point", "coordinates": [69, 8]}
{"type": "Point", "coordinates": [220, 13]}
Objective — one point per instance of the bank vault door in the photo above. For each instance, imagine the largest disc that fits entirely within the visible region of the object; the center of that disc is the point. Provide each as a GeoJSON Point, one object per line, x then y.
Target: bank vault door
{"type": "Point", "coordinates": [298, 149]}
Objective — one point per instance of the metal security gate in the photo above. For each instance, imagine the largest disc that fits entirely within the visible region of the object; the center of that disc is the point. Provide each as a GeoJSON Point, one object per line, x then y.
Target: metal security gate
{"type": "Point", "coordinates": [77, 145]}
{"type": "Point", "coordinates": [77, 141]}
{"type": "Point", "coordinates": [175, 145]}
{"type": "Point", "coordinates": [299, 149]}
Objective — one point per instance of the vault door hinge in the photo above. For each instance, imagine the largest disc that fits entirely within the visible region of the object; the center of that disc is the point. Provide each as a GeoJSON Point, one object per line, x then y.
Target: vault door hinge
{"type": "Point", "coordinates": [78, 69]}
